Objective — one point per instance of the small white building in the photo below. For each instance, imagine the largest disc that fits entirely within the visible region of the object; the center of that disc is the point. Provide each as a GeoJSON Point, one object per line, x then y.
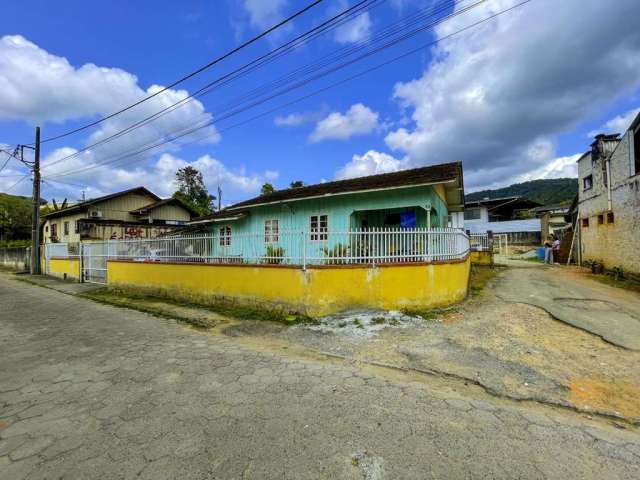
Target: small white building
{"type": "Point", "coordinates": [505, 215]}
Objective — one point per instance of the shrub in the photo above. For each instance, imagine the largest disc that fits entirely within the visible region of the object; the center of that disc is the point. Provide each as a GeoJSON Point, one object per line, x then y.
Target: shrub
{"type": "Point", "coordinates": [274, 255]}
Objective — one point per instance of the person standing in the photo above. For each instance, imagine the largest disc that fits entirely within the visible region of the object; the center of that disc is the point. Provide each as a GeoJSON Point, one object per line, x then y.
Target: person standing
{"type": "Point", "coordinates": [548, 250]}
{"type": "Point", "coordinates": [555, 249]}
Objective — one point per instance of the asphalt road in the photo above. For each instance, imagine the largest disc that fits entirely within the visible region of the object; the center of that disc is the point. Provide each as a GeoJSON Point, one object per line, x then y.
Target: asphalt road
{"type": "Point", "coordinates": [91, 391]}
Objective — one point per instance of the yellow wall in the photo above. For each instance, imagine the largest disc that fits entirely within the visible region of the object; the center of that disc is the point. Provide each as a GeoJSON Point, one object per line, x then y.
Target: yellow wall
{"type": "Point", "coordinates": [59, 266]}
{"type": "Point", "coordinates": [482, 258]}
{"type": "Point", "coordinates": [316, 291]}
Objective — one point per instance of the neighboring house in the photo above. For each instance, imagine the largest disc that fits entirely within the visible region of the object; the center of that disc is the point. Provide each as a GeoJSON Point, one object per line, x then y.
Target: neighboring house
{"type": "Point", "coordinates": [325, 212]}
{"type": "Point", "coordinates": [553, 219]}
{"type": "Point", "coordinates": [506, 215]}
{"type": "Point", "coordinates": [133, 213]}
{"type": "Point", "coordinates": [609, 200]}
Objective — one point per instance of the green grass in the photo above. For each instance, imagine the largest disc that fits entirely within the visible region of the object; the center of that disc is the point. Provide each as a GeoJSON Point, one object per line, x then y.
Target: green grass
{"type": "Point", "coordinates": [626, 283]}
{"type": "Point", "coordinates": [432, 313]}
{"type": "Point", "coordinates": [480, 277]}
{"type": "Point", "coordinates": [148, 302]}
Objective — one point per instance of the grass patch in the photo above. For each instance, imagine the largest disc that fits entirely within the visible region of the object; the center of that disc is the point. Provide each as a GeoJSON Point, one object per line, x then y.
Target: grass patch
{"type": "Point", "coordinates": [627, 283]}
{"type": "Point", "coordinates": [432, 313]}
{"type": "Point", "coordinates": [480, 278]}
{"type": "Point", "coordinates": [150, 303]}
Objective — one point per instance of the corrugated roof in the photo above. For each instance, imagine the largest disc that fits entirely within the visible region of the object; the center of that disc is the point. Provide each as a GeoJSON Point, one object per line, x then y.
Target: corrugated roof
{"type": "Point", "coordinates": [82, 206]}
{"type": "Point", "coordinates": [160, 203]}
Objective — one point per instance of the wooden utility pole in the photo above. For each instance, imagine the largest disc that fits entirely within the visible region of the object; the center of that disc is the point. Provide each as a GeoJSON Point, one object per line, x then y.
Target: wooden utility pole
{"type": "Point", "coordinates": [35, 218]}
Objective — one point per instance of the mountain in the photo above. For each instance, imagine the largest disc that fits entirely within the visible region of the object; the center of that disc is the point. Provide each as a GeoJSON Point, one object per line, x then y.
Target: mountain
{"type": "Point", "coordinates": [547, 192]}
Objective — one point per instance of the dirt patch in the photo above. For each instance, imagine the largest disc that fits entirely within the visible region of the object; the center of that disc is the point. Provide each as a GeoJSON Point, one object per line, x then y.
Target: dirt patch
{"type": "Point", "coordinates": [610, 394]}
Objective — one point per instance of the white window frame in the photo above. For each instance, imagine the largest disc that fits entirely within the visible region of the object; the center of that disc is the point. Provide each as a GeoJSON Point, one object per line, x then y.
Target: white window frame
{"type": "Point", "coordinates": [225, 236]}
{"type": "Point", "coordinates": [318, 234]}
{"type": "Point", "coordinates": [271, 230]}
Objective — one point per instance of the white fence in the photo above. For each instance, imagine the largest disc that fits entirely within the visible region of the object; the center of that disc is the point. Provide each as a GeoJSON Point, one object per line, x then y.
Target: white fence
{"type": "Point", "coordinates": [371, 246]}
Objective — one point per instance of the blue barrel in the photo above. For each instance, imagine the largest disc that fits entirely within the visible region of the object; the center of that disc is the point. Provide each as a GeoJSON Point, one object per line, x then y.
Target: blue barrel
{"type": "Point", "coordinates": [541, 254]}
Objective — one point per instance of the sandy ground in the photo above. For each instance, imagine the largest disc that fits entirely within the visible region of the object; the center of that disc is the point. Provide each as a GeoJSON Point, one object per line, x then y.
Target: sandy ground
{"type": "Point", "coordinates": [509, 348]}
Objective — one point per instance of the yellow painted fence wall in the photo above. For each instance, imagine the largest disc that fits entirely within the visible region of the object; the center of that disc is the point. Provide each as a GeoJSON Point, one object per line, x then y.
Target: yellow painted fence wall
{"type": "Point", "coordinates": [315, 291]}
{"type": "Point", "coordinates": [64, 268]}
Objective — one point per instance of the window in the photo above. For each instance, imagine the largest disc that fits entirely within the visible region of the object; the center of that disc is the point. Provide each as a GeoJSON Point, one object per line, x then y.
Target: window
{"type": "Point", "coordinates": [585, 222]}
{"type": "Point", "coordinates": [472, 213]}
{"type": "Point", "coordinates": [610, 218]}
{"type": "Point", "coordinates": [319, 227]}
{"type": "Point", "coordinates": [66, 228]}
{"type": "Point", "coordinates": [600, 219]}
{"type": "Point", "coordinates": [271, 231]}
{"type": "Point", "coordinates": [77, 228]}
{"type": "Point", "coordinates": [587, 182]}
{"type": "Point", "coordinates": [54, 230]}
{"type": "Point", "coordinates": [225, 236]}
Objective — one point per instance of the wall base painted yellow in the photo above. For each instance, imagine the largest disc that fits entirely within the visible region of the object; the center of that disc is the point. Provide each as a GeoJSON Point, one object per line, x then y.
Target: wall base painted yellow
{"type": "Point", "coordinates": [59, 267]}
{"type": "Point", "coordinates": [482, 258]}
{"type": "Point", "coordinates": [314, 292]}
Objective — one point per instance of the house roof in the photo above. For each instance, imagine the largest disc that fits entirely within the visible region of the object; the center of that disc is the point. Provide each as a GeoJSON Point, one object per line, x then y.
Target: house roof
{"type": "Point", "coordinates": [517, 202]}
{"type": "Point", "coordinates": [434, 174]}
{"type": "Point", "coordinates": [549, 208]}
{"type": "Point", "coordinates": [83, 206]}
{"type": "Point", "coordinates": [167, 201]}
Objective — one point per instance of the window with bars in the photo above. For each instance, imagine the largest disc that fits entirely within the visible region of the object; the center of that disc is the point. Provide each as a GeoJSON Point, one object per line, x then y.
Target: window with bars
{"type": "Point", "coordinates": [271, 231]}
{"type": "Point", "coordinates": [225, 236]}
{"type": "Point", "coordinates": [318, 227]}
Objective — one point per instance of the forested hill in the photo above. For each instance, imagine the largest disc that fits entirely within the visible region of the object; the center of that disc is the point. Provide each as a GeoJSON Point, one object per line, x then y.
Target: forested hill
{"type": "Point", "coordinates": [547, 192]}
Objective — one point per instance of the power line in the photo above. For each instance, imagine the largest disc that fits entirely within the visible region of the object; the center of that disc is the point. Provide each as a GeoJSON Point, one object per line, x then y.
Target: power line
{"type": "Point", "coordinates": [269, 89]}
{"type": "Point", "coordinates": [183, 133]}
{"type": "Point", "coordinates": [328, 87]}
{"type": "Point", "coordinates": [278, 52]}
{"type": "Point", "coordinates": [190, 75]}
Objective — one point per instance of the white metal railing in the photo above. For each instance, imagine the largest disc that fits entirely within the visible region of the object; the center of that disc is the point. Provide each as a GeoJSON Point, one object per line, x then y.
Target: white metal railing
{"type": "Point", "coordinates": [61, 250]}
{"type": "Point", "coordinates": [480, 242]}
{"type": "Point", "coordinates": [367, 246]}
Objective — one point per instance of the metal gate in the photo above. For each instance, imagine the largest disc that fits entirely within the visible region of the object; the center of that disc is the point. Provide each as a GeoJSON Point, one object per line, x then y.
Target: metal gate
{"type": "Point", "coordinates": [94, 262]}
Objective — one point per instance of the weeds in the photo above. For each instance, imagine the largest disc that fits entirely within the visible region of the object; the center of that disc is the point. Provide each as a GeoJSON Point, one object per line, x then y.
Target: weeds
{"type": "Point", "coordinates": [147, 301]}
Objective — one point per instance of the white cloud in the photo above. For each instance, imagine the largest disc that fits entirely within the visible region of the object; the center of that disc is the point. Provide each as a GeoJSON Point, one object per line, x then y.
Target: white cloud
{"type": "Point", "coordinates": [158, 176]}
{"type": "Point", "coordinates": [355, 30]}
{"type": "Point", "coordinates": [37, 86]}
{"type": "Point", "coordinates": [561, 167]}
{"type": "Point", "coordinates": [294, 119]}
{"type": "Point", "coordinates": [370, 163]}
{"type": "Point", "coordinates": [358, 120]}
{"type": "Point", "coordinates": [618, 124]}
{"type": "Point", "coordinates": [497, 91]}
{"type": "Point", "coordinates": [264, 13]}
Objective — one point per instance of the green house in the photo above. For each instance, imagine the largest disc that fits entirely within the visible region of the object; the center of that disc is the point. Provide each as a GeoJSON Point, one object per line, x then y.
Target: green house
{"type": "Point", "coordinates": [345, 218]}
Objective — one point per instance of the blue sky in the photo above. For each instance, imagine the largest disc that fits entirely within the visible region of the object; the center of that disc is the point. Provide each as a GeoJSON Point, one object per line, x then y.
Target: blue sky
{"type": "Point", "coordinates": [514, 98]}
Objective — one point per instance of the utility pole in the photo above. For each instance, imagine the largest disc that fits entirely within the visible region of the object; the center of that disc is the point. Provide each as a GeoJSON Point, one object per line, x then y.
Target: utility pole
{"type": "Point", "coordinates": [219, 197]}
{"type": "Point", "coordinates": [35, 218]}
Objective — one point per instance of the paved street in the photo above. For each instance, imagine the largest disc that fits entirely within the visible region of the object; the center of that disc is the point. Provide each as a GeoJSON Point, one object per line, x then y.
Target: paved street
{"type": "Point", "coordinates": [92, 391]}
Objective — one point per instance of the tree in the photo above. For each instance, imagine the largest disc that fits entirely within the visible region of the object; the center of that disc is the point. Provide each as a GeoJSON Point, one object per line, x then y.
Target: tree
{"type": "Point", "coordinates": [15, 217]}
{"type": "Point", "coordinates": [296, 184]}
{"type": "Point", "coordinates": [267, 189]}
{"type": "Point", "coordinates": [192, 190]}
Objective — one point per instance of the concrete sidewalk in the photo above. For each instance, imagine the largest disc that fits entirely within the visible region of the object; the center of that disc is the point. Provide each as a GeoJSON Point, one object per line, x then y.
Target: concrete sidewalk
{"type": "Point", "coordinates": [611, 313]}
